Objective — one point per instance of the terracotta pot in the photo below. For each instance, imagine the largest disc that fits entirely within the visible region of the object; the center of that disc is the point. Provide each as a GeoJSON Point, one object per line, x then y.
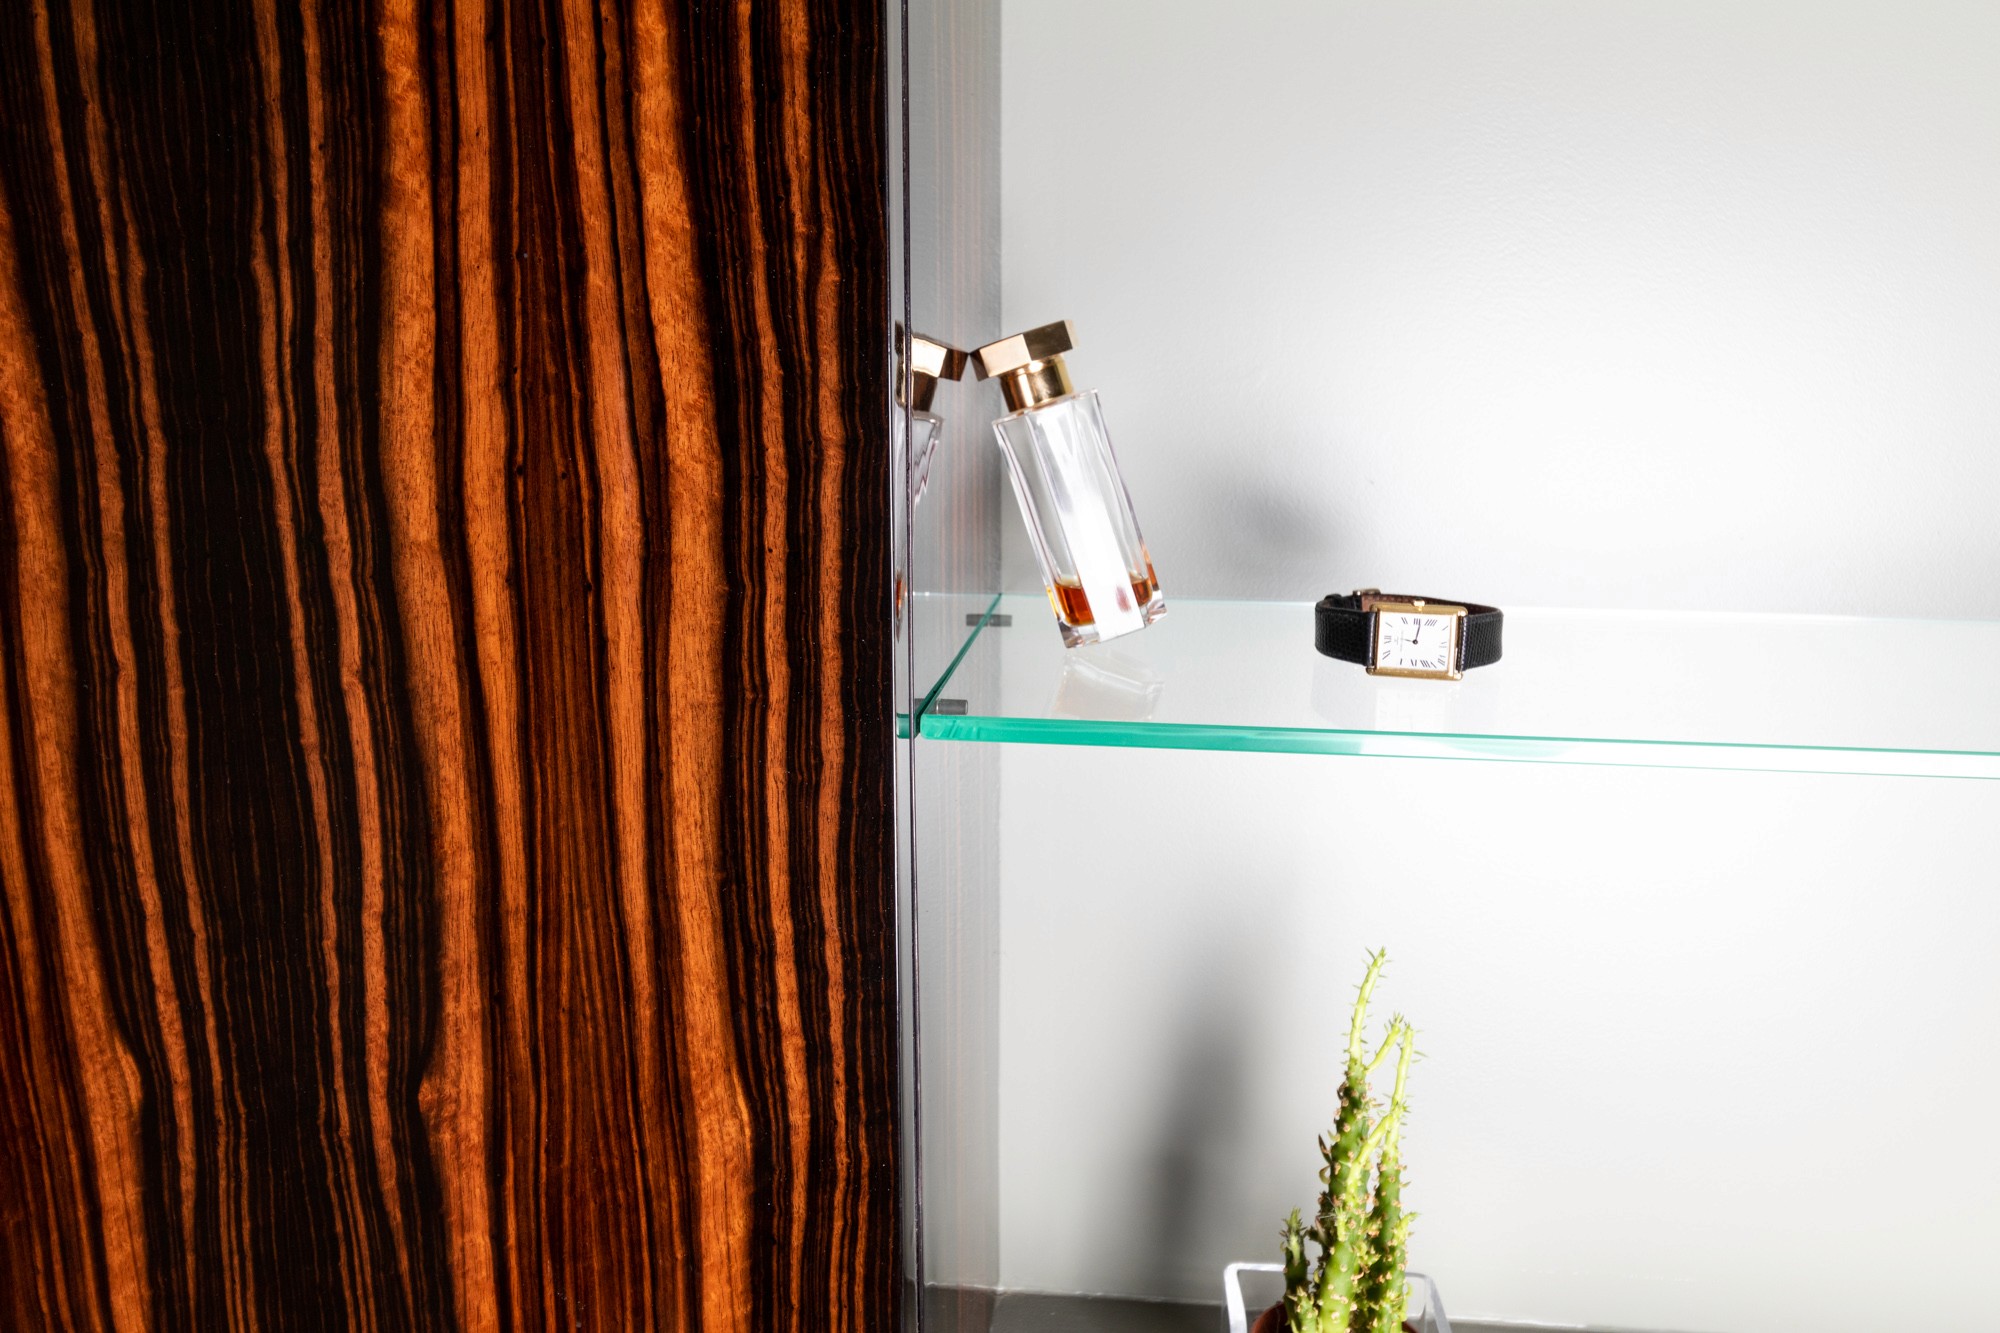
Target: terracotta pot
{"type": "Point", "coordinates": [1273, 1321]}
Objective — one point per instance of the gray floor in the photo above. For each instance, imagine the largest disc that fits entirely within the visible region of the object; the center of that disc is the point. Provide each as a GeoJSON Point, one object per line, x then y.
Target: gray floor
{"type": "Point", "coordinates": [962, 1311]}
{"type": "Point", "coordinates": [1033, 1312]}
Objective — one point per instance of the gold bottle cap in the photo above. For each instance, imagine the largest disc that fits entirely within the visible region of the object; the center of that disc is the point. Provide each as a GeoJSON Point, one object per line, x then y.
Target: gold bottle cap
{"type": "Point", "coordinates": [1029, 365]}
{"type": "Point", "coordinates": [930, 361]}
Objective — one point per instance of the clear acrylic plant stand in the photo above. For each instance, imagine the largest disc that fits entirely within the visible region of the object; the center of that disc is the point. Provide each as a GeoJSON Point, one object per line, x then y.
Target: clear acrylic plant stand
{"type": "Point", "coordinates": [1249, 1289]}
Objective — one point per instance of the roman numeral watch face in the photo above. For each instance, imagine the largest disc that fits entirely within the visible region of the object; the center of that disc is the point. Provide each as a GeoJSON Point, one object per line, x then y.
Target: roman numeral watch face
{"type": "Point", "coordinates": [1417, 641]}
{"type": "Point", "coordinates": [1402, 635]}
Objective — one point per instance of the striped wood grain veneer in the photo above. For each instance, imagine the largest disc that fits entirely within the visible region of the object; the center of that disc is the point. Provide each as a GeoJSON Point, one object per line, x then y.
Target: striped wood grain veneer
{"type": "Point", "coordinates": [445, 845]}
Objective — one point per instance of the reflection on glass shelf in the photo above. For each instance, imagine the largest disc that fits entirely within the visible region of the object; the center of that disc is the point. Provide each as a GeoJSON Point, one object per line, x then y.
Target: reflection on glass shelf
{"type": "Point", "coordinates": [1817, 694]}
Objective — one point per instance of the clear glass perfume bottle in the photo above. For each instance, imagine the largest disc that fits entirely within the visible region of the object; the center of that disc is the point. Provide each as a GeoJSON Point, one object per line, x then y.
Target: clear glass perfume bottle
{"type": "Point", "coordinates": [1094, 563]}
{"type": "Point", "coordinates": [914, 435]}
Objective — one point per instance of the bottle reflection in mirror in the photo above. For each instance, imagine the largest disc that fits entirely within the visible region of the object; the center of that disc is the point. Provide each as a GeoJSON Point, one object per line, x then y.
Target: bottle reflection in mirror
{"type": "Point", "coordinates": [1094, 563]}
{"type": "Point", "coordinates": [921, 363]}
{"type": "Point", "coordinates": [924, 431]}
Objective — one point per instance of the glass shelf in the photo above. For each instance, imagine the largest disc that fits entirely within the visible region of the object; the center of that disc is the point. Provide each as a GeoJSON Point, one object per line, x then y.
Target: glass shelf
{"type": "Point", "coordinates": [1810, 694]}
{"type": "Point", "coordinates": [943, 626]}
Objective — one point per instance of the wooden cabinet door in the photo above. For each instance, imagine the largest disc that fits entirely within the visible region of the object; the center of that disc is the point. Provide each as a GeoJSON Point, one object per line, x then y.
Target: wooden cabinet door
{"type": "Point", "coordinates": [445, 795]}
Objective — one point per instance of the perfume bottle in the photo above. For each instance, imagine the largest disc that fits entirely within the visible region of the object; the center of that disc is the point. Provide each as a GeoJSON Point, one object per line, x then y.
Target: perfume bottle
{"type": "Point", "coordinates": [1094, 563]}
{"type": "Point", "coordinates": [922, 362]}
{"type": "Point", "coordinates": [929, 361]}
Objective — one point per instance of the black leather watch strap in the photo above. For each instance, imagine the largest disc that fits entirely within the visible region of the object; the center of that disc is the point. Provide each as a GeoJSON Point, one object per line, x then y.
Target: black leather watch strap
{"type": "Point", "coordinates": [1344, 628]}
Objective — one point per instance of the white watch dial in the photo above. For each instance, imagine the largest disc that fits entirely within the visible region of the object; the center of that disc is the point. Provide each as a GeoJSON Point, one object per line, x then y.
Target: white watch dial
{"type": "Point", "coordinates": [1415, 641]}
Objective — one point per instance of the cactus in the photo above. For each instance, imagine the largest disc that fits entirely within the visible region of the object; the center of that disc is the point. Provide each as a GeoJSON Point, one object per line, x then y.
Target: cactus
{"type": "Point", "coordinates": [1385, 1289]}
{"type": "Point", "coordinates": [1300, 1313]}
{"type": "Point", "coordinates": [1338, 1294]}
{"type": "Point", "coordinates": [1350, 1122]}
{"type": "Point", "coordinates": [1357, 1283]}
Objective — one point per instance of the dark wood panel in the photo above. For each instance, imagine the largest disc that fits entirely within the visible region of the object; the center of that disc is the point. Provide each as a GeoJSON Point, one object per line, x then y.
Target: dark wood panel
{"type": "Point", "coordinates": [444, 692]}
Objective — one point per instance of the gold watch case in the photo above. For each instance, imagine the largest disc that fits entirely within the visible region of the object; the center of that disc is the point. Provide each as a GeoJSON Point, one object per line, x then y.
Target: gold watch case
{"type": "Point", "coordinates": [1453, 655]}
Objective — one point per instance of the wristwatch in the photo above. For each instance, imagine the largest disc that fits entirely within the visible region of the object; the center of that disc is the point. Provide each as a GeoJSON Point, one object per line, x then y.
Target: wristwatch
{"type": "Point", "coordinates": [1393, 634]}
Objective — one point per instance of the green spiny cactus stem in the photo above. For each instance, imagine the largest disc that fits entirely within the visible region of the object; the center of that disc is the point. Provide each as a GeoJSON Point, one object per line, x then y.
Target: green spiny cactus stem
{"type": "Point", "coordinates": [1350, 1122]}
{"type": "Point", "coordinates": [1385, 1288]}
{"type": "Point", "coordinates": [1360, 1229]}
{"type": "Point", "coordinates": [1358, 1023]}
{"type": "Point", "coordinates": [1338, 1294]}
{"type": "Point", "coordinates": [1299, 1311]}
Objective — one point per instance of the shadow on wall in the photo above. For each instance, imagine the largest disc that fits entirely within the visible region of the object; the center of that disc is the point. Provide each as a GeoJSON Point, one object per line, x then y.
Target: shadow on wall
{"type": "Point", "coordinates": [1197, 1138]}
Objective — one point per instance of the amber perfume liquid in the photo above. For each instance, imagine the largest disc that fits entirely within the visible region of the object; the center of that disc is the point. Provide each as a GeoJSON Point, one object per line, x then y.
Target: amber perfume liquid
{"type": "Point", "coordinates": [1094, 562]}
{"type": "Point", "coordinates": [1072, 604]}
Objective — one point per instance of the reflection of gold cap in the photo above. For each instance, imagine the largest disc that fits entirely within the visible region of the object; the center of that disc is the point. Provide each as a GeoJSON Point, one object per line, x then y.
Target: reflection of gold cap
{"type": "Point", "coordinates": [930, 361]}
{"type": "Point", "coordinates": [1029, 365]}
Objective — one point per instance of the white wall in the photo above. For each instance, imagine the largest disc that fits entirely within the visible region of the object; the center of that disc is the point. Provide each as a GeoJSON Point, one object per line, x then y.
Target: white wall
{"type": "Point", "coordinates": [1703, 1051]}
{"type": "Point", "coordinates": [1627, 304]}
{"type": "Point", "coordinates": [1575, 302]}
